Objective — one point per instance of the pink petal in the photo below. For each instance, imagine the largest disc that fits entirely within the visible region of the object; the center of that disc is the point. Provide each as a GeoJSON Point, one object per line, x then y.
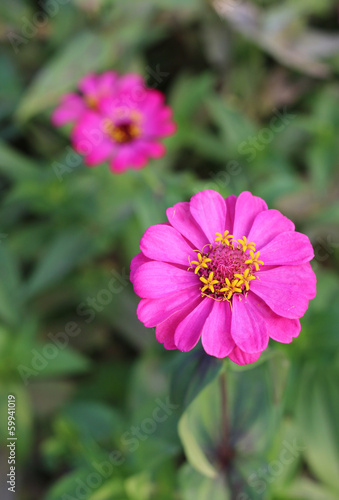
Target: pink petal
{"type": "Point", "coordinates": [154, 100]}
{"type": "Point", "coordinates": [107, 82]}
{"type": "Point", "coordinates": [283, 330]}
{"type": "Point", "coordinates": [134, 83]}
{"type": "Point", "coordinates": [151, 312]}
{"type": "Point", "coordinates": [280, 329]}
{"type": "Point", "coordinates": [164, 243]}
{"type": "Point", "coordinates": [188, 332]}
{"type": "Point", "coordinates": [152, 149]}
{"type": "Point", "coordinates": [216, 334]}
{"type": "Point", "coordinates": [89, 84]}
{"type": "Point", "coordinates": [246, 210]}
{"type": "Point", "coordinates": [70, 109]}
{"type": "Point", "coordinates": [230, 212]}
{"type": "Point", "coordinates": [249, 329]}
{"type": "Point", "coordinates": [90, 141]}
{"type": "Point", "coordinates": [209, 210]}
{"type": "Point", "coordinates": [100, 153]}
{"type": "Point", "coordinates": [165, 331]}
{"type": "Point", "coordinates": [287, 248]}
{"type": "Point", "coordinates": [286, 289]}
{"type": "Point", "coordinates": [158, 122]}
{"type": "Point", "coordinates": [267, 225]}
{"type": "Point", "coordinates": [127, 157]}
{"type": "Point", "coordinates": [243, 358]}
{"type": "Point", "coordinates": [136, 262]}
{"type": "Point", "coordinates": [88, 133]}
{"type": "Point", "coordinates": [154, 280]}
{"type": "Point", "coordinates": [165, 129]}
{"type": "Point", "coordinates": [108, 106]}
{"type": "Point", "coordinates": [180, 217]}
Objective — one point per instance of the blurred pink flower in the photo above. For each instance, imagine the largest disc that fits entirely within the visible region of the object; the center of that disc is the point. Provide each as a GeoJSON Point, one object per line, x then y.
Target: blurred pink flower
{"type": "Point", "coordinates": [248, 279]}
{"type": "Point", "coordinates": [117, 119]}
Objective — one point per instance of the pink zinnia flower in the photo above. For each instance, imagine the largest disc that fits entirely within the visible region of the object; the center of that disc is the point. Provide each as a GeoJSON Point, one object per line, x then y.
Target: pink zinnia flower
{"type": "Point", "coordinates": [117, 119]}
{"type": "Point", "coordinates": [230, 272]}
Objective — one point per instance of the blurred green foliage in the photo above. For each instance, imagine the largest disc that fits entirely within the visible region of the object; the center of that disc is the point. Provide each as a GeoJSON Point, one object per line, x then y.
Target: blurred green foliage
{"type": "Point", "coordinates": [254, 88]}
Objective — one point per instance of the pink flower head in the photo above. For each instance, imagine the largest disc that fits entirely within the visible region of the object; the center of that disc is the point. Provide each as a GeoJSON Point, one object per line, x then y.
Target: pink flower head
{"type": "Point", "coordinates": [117, 119]}
{"type": "Point", "coordinates": [230, 272]}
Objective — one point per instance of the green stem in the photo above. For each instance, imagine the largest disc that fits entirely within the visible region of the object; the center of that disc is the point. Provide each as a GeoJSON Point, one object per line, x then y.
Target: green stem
{"type": "Point", "coordinates": [224, 417]}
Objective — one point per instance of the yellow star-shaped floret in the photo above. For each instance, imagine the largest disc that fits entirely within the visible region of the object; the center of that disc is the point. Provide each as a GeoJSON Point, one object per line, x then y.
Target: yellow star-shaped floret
{"type": "Point", "coordinates": [224, 239]}
{"type": "Point", "coordinates": [209, 282]}
{"type": "Point", "coordinates": [254, 260]}
{"type": "Point", "coordinates": [232, 288]}
{"type": "Point", "coordinates": [245, 278]}
{"type": "Point", "coordinates": [201, 262]}
{"type": "Point", "coordinates": [245, 245]}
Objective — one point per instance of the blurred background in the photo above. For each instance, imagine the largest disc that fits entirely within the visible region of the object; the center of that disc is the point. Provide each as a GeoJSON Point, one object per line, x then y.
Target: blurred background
{"type": "Point", "coordinates": [255, 93]}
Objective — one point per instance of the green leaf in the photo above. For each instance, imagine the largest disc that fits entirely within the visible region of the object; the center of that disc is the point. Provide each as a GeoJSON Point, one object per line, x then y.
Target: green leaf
{"type": "Point", "coordinates": [15, 165]}
{"type": "Point", "coordinates": [234, 125]}
{"type": "Point", "coordinates": [304, 488]}
{"type": "Point", "coordinates": [111, 490]}
{"type": "Point", "coordinates": [191, 372]}
{"type": "Point", "coordinates": [188, 94]}
{"type": "Point", "coordinates": [193, 448]}
{"type": "Point", "coordinates": [94, 420]}
{"type": "Point", "coordinates": [233, 418]}
{"type": "Point", "coordinates": [10, 303]}
{"type": "Point", "coordinates": [139, 487]}
{"type": "Point", "coordinates": [66, 251]}
{"type": "Point", "coordinates": [48, 360]}
{"type": "Point", "coordinates": [23, 417]}
{"type": "Point", "coordinates": [318, 416]}
{"type": "Point", "coordinates": [194, 486]}
{"type": "Point", "coordinates": [67, 362]}
{"type": "Point", "coordinates": [63, 72]}
{"type": "Point", "coordinates": [67, 484]}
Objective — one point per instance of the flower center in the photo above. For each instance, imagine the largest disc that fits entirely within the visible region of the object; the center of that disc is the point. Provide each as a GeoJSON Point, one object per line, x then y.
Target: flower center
{"type": "Point", "coordinates": [227, 267]}
{"type": "Point", "coordinates": [124, 132]}
{"type": "Point", "coordinates": [91, 102]}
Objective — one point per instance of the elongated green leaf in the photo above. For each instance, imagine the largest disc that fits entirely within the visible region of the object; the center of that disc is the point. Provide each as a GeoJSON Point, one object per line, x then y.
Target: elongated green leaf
{"type": "Point", "coordinates": [49, 360]}
{"type": "Point", "coordinates": [64, 253]}
{"type": "Point", "coordinates": [190, 374]}
{"type": "Point", "coordinates": [80, 483]}
{"type": "Point", "coordinates": [193, 449]}
{"type": "Point", "coordinates": [23, 416]}
{"type": "Point", "coordinates": [194, 486]}
{"type": "Point", "coordinates": [15, 165]}
{"type": "Point", "coordinates": [318, 416]}
{"type": "Point", "coordinates": [87, 52]}
{"type": "Point", "coordinates": [189, 93]}
{"type": "Point", "coordinates": [234, 125]}
{"type": "Point", "coordinates": [233, 419]}
{"type": "Point", "coordinates": [304, 488]}
{"type": "Point", "coordinates": [10, 303]}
